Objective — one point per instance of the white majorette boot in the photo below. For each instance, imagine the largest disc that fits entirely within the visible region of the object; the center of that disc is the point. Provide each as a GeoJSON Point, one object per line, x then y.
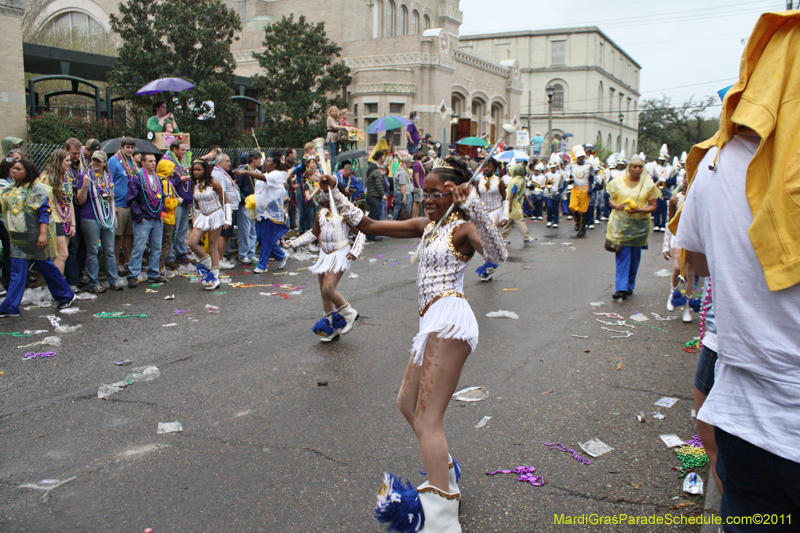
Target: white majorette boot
{"type": "Point", "coordinates": [671, 307]}
{"type": "Point", "coordinates": [440, 509]}
{"type": "Point", "coordinates": [350, 316]}
{"type": "Point", "coordinates": [687, 313]}
{"type": "Point", "coordinates": [454, 474]}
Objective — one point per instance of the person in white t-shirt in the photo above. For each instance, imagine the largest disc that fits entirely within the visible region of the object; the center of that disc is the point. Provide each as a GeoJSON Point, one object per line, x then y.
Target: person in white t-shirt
{"type": "Point", "coordinates": [755, 401]}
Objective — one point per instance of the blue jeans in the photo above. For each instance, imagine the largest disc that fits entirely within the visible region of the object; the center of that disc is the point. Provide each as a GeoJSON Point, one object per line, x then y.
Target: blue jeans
{"type": "Point", "coordinates": [536, 200]}
{"type": "Point", "coordinates": [628, 259]}
{"type": "Point", "coordinates": [146, 229]}
{"type": "Point", "coordinates": [306, 213]}
{"type": "Point", "coordinates": [92, 233]}
{"type": "Point", "coordinates": [595, 206]}
{"type": "Point", "coordinates": [333, 148]}
{"type": "Point", "coordinates": [181, 228]}
{"type": "Point", "coordinates": [247, 233]}
{"type": "Point", "coordinates": [553, 209]}
{"type": "Point", "coordinates": [755, 481]}
{"type": "Point", "coordinates": [58, 286]}
{"type": "Point", "coordinates": [398, 206]}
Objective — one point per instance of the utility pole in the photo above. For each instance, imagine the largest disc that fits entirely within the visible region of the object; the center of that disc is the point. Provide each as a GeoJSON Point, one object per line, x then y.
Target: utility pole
{"type": "Point", "coordinates": [550, 92]}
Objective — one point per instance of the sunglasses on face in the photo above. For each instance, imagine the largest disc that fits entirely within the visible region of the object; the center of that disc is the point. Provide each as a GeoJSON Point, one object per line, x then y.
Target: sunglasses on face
{"type": "Point", "coordinates": [434, 195]}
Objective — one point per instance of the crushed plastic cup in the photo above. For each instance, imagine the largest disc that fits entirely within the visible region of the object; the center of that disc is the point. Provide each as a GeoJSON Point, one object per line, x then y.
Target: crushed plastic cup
{"type": "Point", "coordinates": [70, 310]}
{"type": "Point", "coordinates": [212, 309]}
{"type": "Point", "coordinates": [693, 484]}
{"type": "Point", "coordinates": [503, 314]}
{"type": "Point", "coordinates": [51, 341]}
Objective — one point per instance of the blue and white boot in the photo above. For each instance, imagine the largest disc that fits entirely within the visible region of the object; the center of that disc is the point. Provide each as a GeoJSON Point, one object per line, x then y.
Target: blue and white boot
{"type": "Point", "coordinates": [440, 509]}
{"type": "Point", "coordinates": [454, 474]}
{"type": "Point", "coordinates": [329, 327]}
{"type": "Point", "coordinates": [349, 315]}
{"type": "Point", "coordinates": [211, 280]}
{"type": "Point", "coordinates": [485, 271]}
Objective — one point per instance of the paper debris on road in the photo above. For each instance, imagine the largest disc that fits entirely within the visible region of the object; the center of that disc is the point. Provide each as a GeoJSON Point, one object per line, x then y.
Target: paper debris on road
{"type": "Point", "coordinates": [638, 317]}
{"type": "Point", "coordinates": [68, 329]}
{"type": "Point", "coordinates": [663, 273]}
{"type": "Point", "coordinates": [70, 310]}
{"type": "Point", "coordinates": [85, 296]}
{"type": "Point", "coordinates": [471, 394]}
{"type": "Point", "coordinates": [353, 275]}
{"type": "Point", "coordinates": [596, 304]}
{"type": "Point", "coordinates": [170, 297]}
{"type": "Point", "coordinates": [169, 427]}
{"type": "Point", "coordinates": [666, 401]}
{"type": "Point", "coordinates": [483, 422]}
{"type": "Point", "coordinates": [671, 440]}
{"type": "Point", "coordinates": [169, 325]}
{"type": "Point", "coordinates": [503, 314]}
{"type": "Point", "coordinates": [657, 415]}
{"type": "Point", "coordinates": [142, 373]}
{"type": "Point", "coordinates": [596, 447]}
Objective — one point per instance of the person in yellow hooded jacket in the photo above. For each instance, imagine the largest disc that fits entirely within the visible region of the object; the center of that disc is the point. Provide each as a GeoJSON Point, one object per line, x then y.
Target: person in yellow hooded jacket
{"type": "Point", "coordinates": [171, 201]}
{"type": "Point", "coordinates": [516, 196]}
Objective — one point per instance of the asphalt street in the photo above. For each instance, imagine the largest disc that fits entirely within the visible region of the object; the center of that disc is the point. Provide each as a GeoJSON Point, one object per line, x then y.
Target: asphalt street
{"type": "Point", "coordinates": [284, 434]}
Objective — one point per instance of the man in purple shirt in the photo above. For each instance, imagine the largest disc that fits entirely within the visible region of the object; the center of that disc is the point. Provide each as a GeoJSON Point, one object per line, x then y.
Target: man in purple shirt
{"type": "Point", "coordinates": [146, 202]}
{"type": "Point", "coordinates": [182, 182]}
{"type": "Point", "coordinates": [412, 134]}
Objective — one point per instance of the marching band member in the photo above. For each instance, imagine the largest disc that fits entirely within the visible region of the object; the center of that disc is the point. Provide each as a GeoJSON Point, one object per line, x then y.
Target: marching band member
{"type": "Point", "coordinates": [492, 192]}
{"type": "Point", "coordinates": [662, 174]}
{"type": "Point", "coordinates": [335, 255]}
{"type": "Point", "coordinates": [536, 184]}
{"type": "Point", "coordinates": [671, 250]}
{"type": "Point", "coordinates": [581, 177]}
{"type": "Point", "coordinates": [553, 186]}
{"type": "Point", "coordinates": [448, 335]}
{"type": "Point", "coordinates": [611, 174]}
{"type": "Point", "coordinates": [596, 199]}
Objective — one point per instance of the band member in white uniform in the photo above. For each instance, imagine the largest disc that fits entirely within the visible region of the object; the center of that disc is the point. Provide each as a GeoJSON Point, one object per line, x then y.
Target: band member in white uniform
{"type": "Point", "coordinates": [553, 187]}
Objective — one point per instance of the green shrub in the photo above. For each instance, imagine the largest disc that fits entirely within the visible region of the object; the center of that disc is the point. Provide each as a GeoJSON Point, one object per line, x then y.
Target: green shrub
{"type": "Point", "coordinates": [55, 129]}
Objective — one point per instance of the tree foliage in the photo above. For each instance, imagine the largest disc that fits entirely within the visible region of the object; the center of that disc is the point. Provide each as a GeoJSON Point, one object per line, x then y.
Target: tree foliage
{"type": "Point", "coordinates": [301, 79]}
{"type": "Point", "coordinates": [189, 40]}
{"type": "Point", "coordinates": [52, 128]}
{"type": "Point", "coordinates": [679, 127]}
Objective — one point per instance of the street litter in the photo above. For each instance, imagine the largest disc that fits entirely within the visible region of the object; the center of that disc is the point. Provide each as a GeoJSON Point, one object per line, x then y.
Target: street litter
{"type": "Point", "coordinates": [294, 293]}
{"type": "Point", "coordinates": [666, 401]}
{"type": "Point", "coordinates": [212, 309]}
{"type": "Point", "coordinates": [581, 336]}
{"type": "Point", "coordinates": [611, 315]}
{"type": "Point", "coordinates": [186, 269]}
{"type": "Point", "coordinates": [503, 314]}
{"type": "Point", "coordinates": [68, 329]}
{"type": "Point", "coordinates": [353, 275]}
{"type": "Point", "coordinates": [566, 244]}
{"type": "Point", "coordinates": [657, 415]}
{"type": "Point", "coordinates": [293, 273]}
{"type": "Point", "coordinates": [596, 304]}
{"type": "Point", "coordinates": [36, 306]}
{"type": "Point", "coordinates": [150, 290]}
{"type": "Point", "coordinates": [560, 447]}
{"type": "Point", "coordinates": [693, 484]}
{"type": "Point", "coordinates": [169, 325]}
{"type": "Point", "coordinates": [70, 310]}
{"type": "Point", "coordinates": [219, 293]}
{"type": "Point", "coordinates": [27, 332]}
{"type": "Point", "coordinates": [46, 485]}
{"type": "Point", "coordinates": [649, 325]}
{"type": "Point", "coordinates": [169, 427]}
{"type": "Point", "coordinates": [303, 256]}
{"type": "Point", "coordinates": [118, 315]}
{"type": "Point", "coordinates": [483, 422]}
{"type": "Point", "coordinates": [179, 311]}
{"type": "Point", "coordinates": [32, 355]}
{"type": "Point", "coordinates": [86, 296]}
{"type": "Point", "coordinates": [509, 289]}
{"type": "Point", "coordinates": [471, 394]}
{"type": "Point", "coordinates": [693, 414]}
{"type": "Point", "coordinates": [596, 447]}
{"type": "Point", "coordinates": [640, 416]}
{"type": "Point", "coordinates": [525, 474]}
{"type": "Point", "coordinates": [671, 440]}
{"type": "Point", "coordinates": [126, 362]}
{"type": "Point", "coordinates": [170, 297]}
{"type": "Point", "coordinates": [691, 455]}
{"type": "Point", "coordinates": [546, 243]}
{"type": "Point", "coordinates": [54, 320]}
{"type": "Point", "coordinates": [373, 260]}
{"type": "Point", "coordinates": [625, 334]}
{"type": "Point", "coordinates": [142, 373]}
{"type": "Point", "coordinates": [663, 273]}
{"type": "Point", "coordinates": [658, 317]}
{"type": "Point", "coordinates": [619, 366]}
{"type": "Point", "coordinates": [47, 341]}
{"type": "Point", "coordinates": [638, 317]}
{"type": "Point", "coordinates": [37, 297]}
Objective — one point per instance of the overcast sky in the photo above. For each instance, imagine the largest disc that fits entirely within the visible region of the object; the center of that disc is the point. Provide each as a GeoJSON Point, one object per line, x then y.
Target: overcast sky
{"type": "Point", "coordinates": [685, 47]}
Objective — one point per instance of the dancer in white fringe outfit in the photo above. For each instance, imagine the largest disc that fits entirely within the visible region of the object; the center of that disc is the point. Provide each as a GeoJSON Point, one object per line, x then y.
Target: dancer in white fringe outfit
{"type": "Point", "coordinates": [492, 192]}
{"type": "Point", "coordinates": [672, 251]}
{"type": "Point", "coordinates": [209, 217]}
{"type": "Point", "coordinates": [334, 259]}
{"type": "Point", "coordinates": [448, 335]}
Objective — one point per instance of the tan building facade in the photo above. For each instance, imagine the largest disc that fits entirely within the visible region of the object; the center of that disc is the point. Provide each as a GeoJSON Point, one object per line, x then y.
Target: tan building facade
{"type": "Point", "coordinates": [595, 83]}
{"type": "Point", "coordinates": [404, 56]}
{"type": "Point", "coordinates": [12, 82]}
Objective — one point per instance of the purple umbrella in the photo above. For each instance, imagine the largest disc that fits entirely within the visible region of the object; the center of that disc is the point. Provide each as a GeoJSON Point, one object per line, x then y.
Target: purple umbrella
{"type": "Point", "coordinates": [174, 85]}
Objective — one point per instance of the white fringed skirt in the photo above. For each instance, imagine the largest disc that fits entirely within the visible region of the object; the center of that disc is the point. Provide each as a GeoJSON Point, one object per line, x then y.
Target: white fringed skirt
{"type": "Point", "coordinates": [496, 216]}
{"type": "Point", "coordinates": [450, 317]}
{"type": "Point", "coordinates": [209, 222]}
{"type": "Point", "coordinates": [333, 262]}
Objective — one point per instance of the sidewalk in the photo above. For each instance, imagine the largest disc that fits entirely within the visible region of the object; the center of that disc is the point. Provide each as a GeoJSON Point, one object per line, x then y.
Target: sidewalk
{"type": "Point", "coordinates": [712, 505]}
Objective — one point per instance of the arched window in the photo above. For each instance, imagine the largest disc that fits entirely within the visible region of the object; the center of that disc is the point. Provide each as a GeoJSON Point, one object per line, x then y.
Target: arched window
{"type": "Point", "coordinates": [390, 19]}
{"type": "Point", "coordinates": [619, 143]}
{"type": "Point", "coordinates": [626, 146]}
{"type": "Point", "coordinates": [609, 145]}
{"type": "Point", "coordinates": [600, 96]}
{"type": "Point", "coordinates": [412, 30]}
{"type": "Point", "coordinates": [633, 147]}
{"type": "Point", "coordinates": [427, 23]}
{"type": "Point", "coordinates": [76, 23]}
{"type": "Point", "coordinates": [377, 10]}
{"type": "Point", "coordinates": [558, 97]}
{"type": "Point", "coordinates": [401, 26]}
{"type": "Point", "coordinates": [599, 138]}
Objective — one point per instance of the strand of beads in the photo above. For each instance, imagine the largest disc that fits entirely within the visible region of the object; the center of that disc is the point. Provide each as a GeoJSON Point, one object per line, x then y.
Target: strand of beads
{"type": "Point", "coordinates": [704, 312]}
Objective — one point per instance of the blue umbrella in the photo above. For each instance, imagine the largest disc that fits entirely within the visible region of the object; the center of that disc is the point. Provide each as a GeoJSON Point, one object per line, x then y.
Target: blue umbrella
{"type": "Point", "coordinates": [161, 85]}
{"type": "Point", "coordinates": [507, 156]}
{"type": "Point", "coordinates": [388, 123]}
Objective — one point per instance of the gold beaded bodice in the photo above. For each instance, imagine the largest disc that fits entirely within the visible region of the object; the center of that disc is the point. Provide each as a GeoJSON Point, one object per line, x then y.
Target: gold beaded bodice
{"type": "Point", "coordinates": [441, 266]}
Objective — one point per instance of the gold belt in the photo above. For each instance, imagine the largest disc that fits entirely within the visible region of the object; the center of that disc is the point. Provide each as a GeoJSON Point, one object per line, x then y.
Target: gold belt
{"type": "Point", "coordinates": [439, 296]}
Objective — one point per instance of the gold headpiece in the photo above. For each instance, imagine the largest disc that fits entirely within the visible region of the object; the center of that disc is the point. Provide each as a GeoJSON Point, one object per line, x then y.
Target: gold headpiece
{"type": "Point", "coordinates": [441, 163]}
